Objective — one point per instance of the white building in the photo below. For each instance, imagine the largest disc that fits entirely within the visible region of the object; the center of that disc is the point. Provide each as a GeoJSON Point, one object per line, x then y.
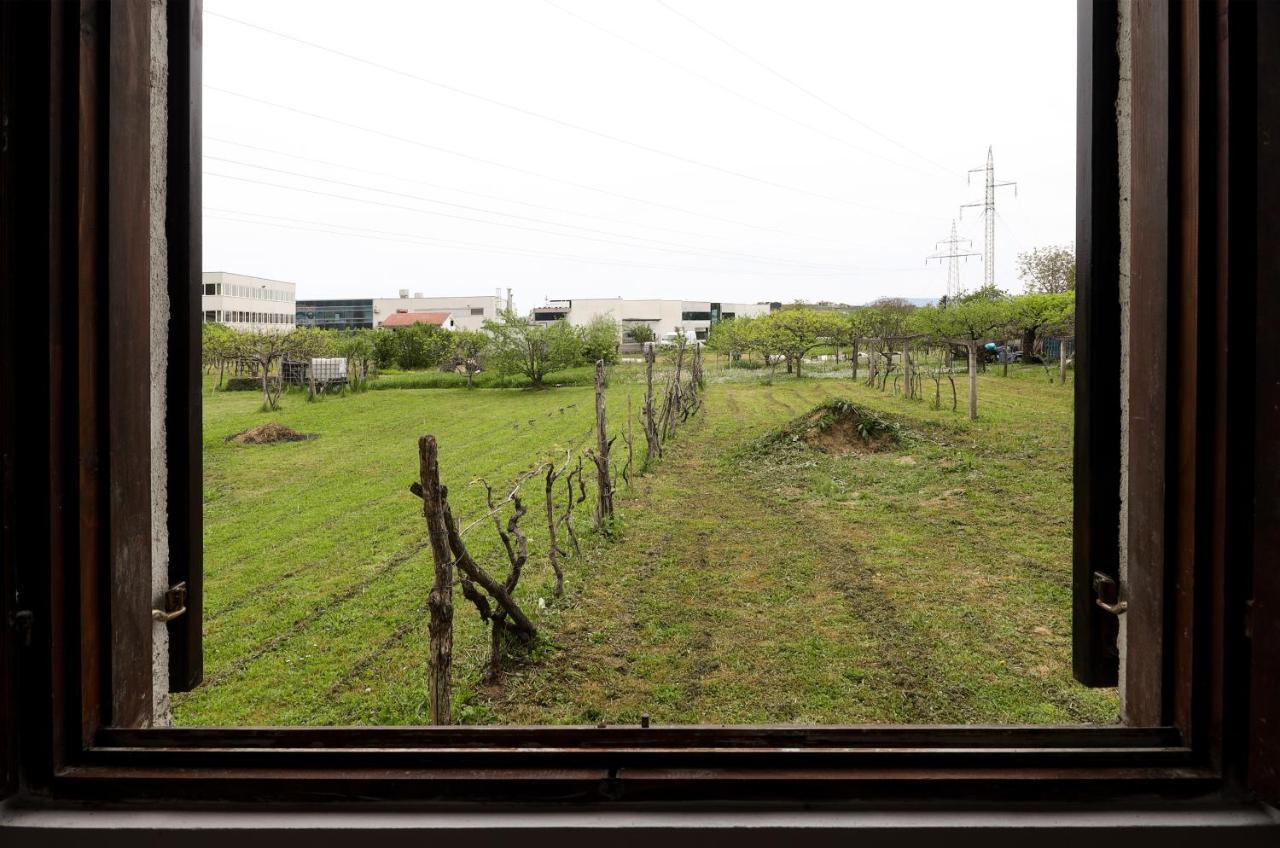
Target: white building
{"type": "Point", "coordinates": [664, 317]}
{"type": "Point", "coordinates": [247, 303]}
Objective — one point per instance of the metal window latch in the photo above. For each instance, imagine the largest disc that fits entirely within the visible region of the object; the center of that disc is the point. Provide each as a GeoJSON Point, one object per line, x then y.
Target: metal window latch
{"type": "Point", "coordinates": [175, 604]}
{"type": "Point", "coordinates": [1108, 594]}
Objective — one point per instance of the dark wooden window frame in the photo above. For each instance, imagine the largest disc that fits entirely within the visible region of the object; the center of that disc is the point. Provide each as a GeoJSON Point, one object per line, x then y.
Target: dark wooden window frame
{"type": "Point", "coordinates": [72, 502]}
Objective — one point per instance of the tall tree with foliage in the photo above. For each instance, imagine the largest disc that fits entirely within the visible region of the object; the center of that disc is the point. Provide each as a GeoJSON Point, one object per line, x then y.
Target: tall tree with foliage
{"type": "Point", "coordinates": [1034, 312]}
{"type": "Point", "coordinates": [729, 337]}
{"type": "Point", "coordinates": [521, 347]}
{"type": "Point", "coordinates": [599, 339]}
{"type": "Point", "coordinates": [421, 346]}
{"type": "Point", "coordinates": [1048, 270]}
{"type": "Point", "coordinates": [761, 336]}
{"type": "Point", "coordinates": [797, 331]}
{"type": "Point", "coordinates": [384, 348]}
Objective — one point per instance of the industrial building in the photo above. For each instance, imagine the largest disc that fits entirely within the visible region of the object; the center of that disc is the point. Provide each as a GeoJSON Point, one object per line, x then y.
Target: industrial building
{"type": "Point", "coordinates": [665, 317]}
{"type": "Point", "coordinates": [247, 303]}
{"type": "Point", "coordinates": [467, 313]}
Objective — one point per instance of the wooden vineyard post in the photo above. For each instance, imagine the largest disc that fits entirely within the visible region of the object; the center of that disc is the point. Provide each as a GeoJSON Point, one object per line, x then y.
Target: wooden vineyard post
{"type": "Point", "coordinates": [440, 601]}
{"type": "Point", "coordinates": [553, 549]}
{"type": "Point", "coordinates": [650, 420]}
{"type": "Point", "coordinates": [972, 347]}
{"type": "Point", "coordinates": [604, 485]}
{"type": "Point", "coordinates": [906, 368]}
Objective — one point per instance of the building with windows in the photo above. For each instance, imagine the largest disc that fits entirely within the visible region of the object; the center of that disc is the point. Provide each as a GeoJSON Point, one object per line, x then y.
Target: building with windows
{"type": "Point", "coordinates": [467, 313]}
{"type": "Point", "coordinates": [665, 317]}
{"type": "Point", "coordinates": [247, 303]}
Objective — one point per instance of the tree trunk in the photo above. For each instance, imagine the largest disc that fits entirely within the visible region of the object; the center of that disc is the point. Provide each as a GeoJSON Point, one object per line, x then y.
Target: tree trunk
{"type": "Point", "coordinates": [1006, 358]}
{"type": "Point", "coordinates": [604, 486]}
{"type": "Point", "coordinates": [440, 600]}
{"type": "Point", "coordinates": [853, 357]}
{"type": "Point", "coordinates": [266, 392]}
{"type": "Point", "coordinates": [973, 380]}
{"type": "Point", "coordinates": [1062, 361]}
{"type": "Point", "coordinates": [799, 359]}
{"type": "Point", "coordinates": [1028, 343]}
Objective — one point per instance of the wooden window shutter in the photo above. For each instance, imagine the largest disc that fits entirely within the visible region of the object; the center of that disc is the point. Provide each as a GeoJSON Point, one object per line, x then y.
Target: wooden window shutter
{"type": "Point", "coordinates": [1263, 606]}
{"type": "Point", "coordinates": [183, 422]}
{"type": "Point", "coordinates": [1097, 411]}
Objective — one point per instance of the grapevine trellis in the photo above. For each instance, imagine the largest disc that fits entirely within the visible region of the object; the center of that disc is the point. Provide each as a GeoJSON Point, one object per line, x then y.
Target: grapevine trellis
{"type": "Point", "coordinates": [493, 594]}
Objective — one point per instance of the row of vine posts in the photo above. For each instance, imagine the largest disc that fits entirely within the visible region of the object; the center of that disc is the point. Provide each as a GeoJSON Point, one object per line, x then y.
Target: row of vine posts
{"type": "Point", "coordinates": [494, 595]}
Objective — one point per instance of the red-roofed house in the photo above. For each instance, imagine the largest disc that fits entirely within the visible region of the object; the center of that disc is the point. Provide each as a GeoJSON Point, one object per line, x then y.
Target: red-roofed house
{"type": "Point", "coordinates": [443, 320]}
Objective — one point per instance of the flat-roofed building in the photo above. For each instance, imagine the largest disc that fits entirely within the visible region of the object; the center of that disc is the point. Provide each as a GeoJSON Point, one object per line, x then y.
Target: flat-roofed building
{"type": "Point", "coordinates": [467, 313]}
{"type": "Point", "coordinates": [665, 317]}
{"type": "Point", "coordinates": [243, 302]}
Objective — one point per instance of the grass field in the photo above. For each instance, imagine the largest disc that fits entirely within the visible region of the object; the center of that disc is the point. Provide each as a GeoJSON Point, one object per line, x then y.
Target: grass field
{"type": "Point", "coordinates": [750, 583]}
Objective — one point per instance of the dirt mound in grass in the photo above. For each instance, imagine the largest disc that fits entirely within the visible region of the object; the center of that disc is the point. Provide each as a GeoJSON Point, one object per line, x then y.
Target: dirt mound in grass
{"type": "Point", "coordinates": [269, 434]}
{"type": "Point", "coordinates": [840, 427]}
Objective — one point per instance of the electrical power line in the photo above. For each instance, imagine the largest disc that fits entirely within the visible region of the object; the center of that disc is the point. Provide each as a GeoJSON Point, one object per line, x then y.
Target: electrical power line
{"type": "Point", "coordinates": [657, 151]}
{"type": "Point", "coordinates": [688, 248]}
{"type": "Point", "coordinates": [760, 63]}
{"type": "Point", "coordinates": [496, 164]}
{"type": "Point", "coordinates": [403, 178]}
{"type": "Point", "coordinates": [738, 94]}
{"type": "Point", "coordinates": [327, 228]}
{"type": "Point", "coordinates": [702, 255]}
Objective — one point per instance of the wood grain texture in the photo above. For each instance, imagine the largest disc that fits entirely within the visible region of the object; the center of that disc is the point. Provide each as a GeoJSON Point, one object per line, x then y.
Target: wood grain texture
{"type": "Point", "coordinates": [128, 380]}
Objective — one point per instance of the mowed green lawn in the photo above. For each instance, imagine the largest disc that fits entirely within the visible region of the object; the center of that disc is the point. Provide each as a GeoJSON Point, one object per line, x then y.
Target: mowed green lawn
{"type": "Point", "coordinates": [925, 584]}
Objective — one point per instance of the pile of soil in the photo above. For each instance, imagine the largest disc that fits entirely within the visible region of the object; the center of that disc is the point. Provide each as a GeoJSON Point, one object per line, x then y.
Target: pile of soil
{"type": "Point", "coordinates": [839, 427]}
{"type": "Point", "coordinates": [269, 434]}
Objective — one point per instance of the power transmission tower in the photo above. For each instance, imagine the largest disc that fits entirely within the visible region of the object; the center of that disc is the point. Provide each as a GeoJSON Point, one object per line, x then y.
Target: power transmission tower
{"type": "Point", "coordinates": [988, 205]}
{"type": "Point", "coordinates": [952, 253]}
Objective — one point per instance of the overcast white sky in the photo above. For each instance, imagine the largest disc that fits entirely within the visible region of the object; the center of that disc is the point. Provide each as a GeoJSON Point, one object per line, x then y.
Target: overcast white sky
{"type": "Point", "coordinates": [819, 205]}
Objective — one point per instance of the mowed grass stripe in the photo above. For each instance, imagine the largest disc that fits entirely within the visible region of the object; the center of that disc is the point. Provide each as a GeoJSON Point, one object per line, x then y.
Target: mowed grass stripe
{"type": "Point", "coordinates": [252, 643]}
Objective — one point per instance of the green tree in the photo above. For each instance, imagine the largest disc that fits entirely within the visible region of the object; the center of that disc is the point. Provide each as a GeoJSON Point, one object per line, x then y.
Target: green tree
{"type": "Point", "coordinates": [357, 347]}
{"type": "Point", "coordinates": [1032, 313]}
{"type": "Point", "coordinates": [761, 336]}
{"type": "Point", "coordinates": [468, 348]}
{"type": "Point", "coordinates": [839, 329]}
{"type": "Point", "coordinates": [797, 331]}
{"type": "Point", "coordinates": [642, 333]}
{"type": "Point", "coordinates": [599, 339]}
{"type": "Point", "coordinates": [421, 346]}
{"type": "Point", "coordinates": [217, 347]}
{"type": "Point", "coordinates": [521, 347]}
{"type": "Point", "coordinates": [969, 322]}
{"type": "Point", "coordinates": [729, 337]}
{"type": "Point", "coordinates": [1048, 270]}
{"type": "Point", "coordinates": [384, 348]}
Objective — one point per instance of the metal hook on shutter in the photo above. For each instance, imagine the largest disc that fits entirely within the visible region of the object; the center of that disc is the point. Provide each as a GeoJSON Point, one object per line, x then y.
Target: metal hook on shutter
{"type": "Point", "coordinates": [1108, 594]}
{"type": "Point", "coordinates": [175, 604]}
